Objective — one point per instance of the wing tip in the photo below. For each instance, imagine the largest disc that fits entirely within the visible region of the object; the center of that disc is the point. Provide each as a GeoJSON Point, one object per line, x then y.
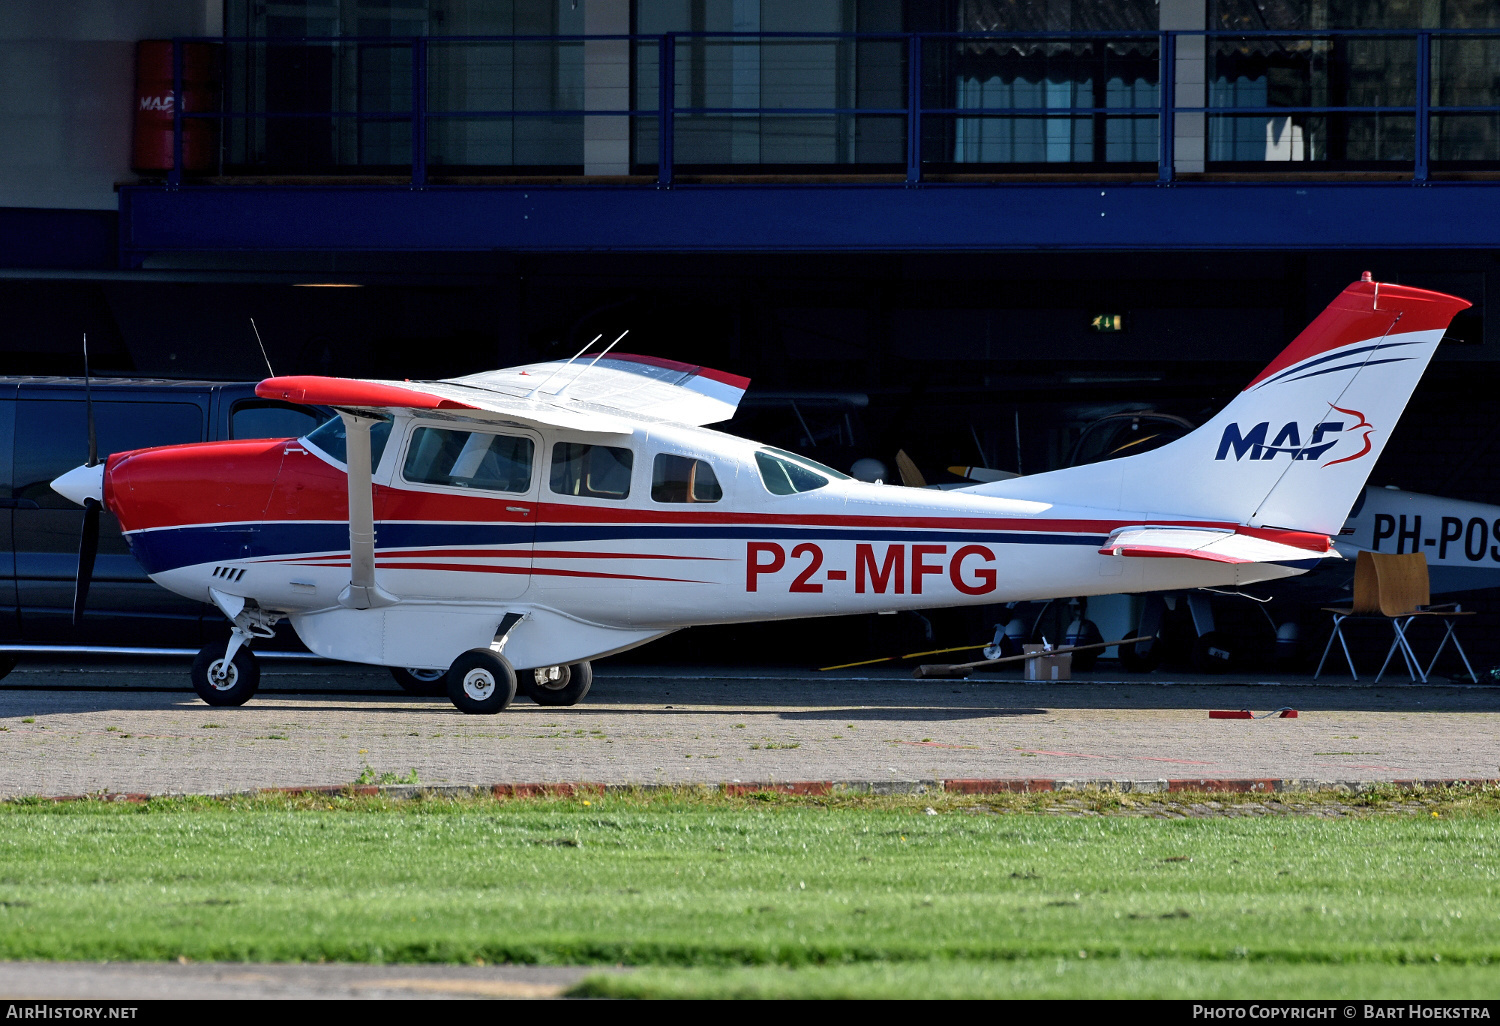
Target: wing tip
{"type": "Point", "coordinates": [330, 391]}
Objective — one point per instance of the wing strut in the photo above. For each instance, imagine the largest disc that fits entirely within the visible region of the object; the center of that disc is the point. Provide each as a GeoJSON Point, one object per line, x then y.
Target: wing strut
{"type": "Point", "coordinates": [363, 592]}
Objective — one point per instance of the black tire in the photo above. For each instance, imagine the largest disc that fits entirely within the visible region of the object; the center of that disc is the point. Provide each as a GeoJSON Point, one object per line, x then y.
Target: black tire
{"type": "Point", "coordinates": [7, 663]}
{"type": "Point", "coordinates": [240, 682]}
{"type": "Point", "coordinates": [1134, 661]}
{"type": "Point", "coordinates": [1083, 632]}
{"type": "Point", "coordinates": [481, 683]}
{"type": "Point", "coordinates": [568, 688]}
{"type": "Point", "coordinates": [1212, 653]}
{"type": "Point", "coordinates": [427, 683]}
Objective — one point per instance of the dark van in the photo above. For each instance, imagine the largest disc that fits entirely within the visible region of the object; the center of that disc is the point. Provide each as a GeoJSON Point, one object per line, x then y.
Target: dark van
{"type": "Point", "coordinates": [44, 432]}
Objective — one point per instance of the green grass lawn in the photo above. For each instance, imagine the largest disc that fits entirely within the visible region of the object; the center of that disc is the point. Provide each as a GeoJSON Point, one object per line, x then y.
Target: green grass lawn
{"type": "Point", "coordinates": [746, 897]}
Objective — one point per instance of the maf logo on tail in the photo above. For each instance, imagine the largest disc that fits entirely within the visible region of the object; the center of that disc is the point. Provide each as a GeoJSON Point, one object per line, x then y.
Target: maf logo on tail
{"type": "Point", "coordinates": [1288, 440]}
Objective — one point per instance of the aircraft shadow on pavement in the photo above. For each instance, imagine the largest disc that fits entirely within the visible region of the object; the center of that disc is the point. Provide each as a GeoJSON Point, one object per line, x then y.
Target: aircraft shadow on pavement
{"type": "Point", "coordinates": [906, 713]}
{"type": "Point", "coordinates": [815, 700]}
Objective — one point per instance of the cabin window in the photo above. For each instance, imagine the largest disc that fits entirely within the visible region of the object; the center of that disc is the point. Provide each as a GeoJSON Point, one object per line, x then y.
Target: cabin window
{"type": "Point", "coordinates": [784, 476]}
{"type": "Point", "coordinates": [684, 479]}
{"type": "Point", "coordinates": [329, 438]}
{"type": "Point", "coordinates": [469, 459]}
{"type": "Point", "coordinates": [591, 471]}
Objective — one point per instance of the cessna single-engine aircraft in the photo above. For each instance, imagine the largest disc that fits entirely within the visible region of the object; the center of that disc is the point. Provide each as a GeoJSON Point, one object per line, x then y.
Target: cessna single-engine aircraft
{"type": "Point", "coordinates": [540, 517]}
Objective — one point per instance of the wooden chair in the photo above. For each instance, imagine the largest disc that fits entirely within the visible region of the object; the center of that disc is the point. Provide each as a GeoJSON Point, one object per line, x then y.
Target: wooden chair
{"type": "Point", "coordinates": [1394, 587]}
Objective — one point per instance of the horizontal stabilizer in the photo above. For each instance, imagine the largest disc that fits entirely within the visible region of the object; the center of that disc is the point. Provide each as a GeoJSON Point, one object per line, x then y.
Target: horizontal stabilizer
{"type": "Point", "coordinates": [1217, 545]}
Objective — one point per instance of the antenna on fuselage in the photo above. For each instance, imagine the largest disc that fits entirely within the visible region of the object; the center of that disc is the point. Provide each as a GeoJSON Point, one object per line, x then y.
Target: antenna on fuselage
{"type": "Point", "coordinates": [595, 360]}
{"type": "Point", "coordinates": [262, 345]}
{"type": "Point", "coordinates": [565, 365]}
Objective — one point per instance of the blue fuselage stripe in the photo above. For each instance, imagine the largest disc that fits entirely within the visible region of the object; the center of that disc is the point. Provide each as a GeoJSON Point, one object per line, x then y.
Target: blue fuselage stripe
{"type": "Point", "coordinates": [169, 548]}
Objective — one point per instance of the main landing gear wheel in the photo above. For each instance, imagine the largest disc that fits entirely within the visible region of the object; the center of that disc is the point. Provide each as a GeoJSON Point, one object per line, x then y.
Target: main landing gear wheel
{"type": "Point", "coordinates": [1212, 653]}
{"type": "Point", "coordinates": [429, 683]}
{"type": "Point", "coordinates": [222, 682]}
{"type": "Point", "coordinates": [558, 685]}
{"type": "Point", "coordinates": [1133, 660]}
{"type": "Point", "coordinates": [481, 682]}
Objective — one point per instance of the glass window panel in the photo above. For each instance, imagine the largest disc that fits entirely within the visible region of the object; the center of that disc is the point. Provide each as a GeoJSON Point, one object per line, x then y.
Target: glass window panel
{"type": "Point", "coordinates": [591, 471]}
{"type": "Point", "coordinates": [330, 439]}
{"type": "Point", "coordinates": [261, 419]}
{"type": "Point", "coordinates": [783, 477]}
{"type": "Point", "coordinates": [684, 479]}
{"type": "Point", "coordinates": [469, 459]}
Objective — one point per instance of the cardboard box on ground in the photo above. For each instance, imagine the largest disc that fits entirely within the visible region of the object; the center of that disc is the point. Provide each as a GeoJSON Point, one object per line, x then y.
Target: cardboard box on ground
{"type": "Point", "coordinates": [1047, 667]}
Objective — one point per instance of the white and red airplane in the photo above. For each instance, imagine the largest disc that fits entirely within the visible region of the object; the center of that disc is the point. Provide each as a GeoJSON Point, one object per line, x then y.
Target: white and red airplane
{"type": "Point", "coordinates": [536, 518]}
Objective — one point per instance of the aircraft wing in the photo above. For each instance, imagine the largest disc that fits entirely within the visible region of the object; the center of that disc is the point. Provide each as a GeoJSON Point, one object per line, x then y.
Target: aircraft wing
{"type": "Point", "coordinates": [1218, 545]}
{"type": "Point", "coordinates": [683, 393]}
{"type": "Point", "coordinates": [585, 394]}
{"type": "Point", "coordinates": [365, 394]}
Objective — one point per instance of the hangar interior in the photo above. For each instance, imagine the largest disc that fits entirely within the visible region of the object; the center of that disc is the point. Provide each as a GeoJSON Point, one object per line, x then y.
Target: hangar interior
{"type": "Point", "coordinates": [967, 229]}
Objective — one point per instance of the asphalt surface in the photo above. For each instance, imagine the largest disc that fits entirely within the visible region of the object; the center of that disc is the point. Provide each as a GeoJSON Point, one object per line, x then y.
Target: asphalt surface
{"type": "Point", "coordinates": [119, 725]}
{"type": "Point", "coordinates": [123, 982]}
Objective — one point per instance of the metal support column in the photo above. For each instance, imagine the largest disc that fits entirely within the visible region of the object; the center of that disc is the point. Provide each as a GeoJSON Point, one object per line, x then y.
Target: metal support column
{"type": "Point", "coordinates": [914, 109]}
{"type": "Point", "coordinates": [1424, 102]}
{"type": "Point", "coordinates": [666, 100]}
{"type": "Point", "coordinates": [1167, 123]}
{"type": "Point", "coordinates": [174, 176]}
{"type": "Point", "coordinates": [419, 113]}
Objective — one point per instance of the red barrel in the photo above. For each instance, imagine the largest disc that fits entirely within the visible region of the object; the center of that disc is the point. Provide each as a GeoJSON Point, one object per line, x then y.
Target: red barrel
{"type": "Point", "coordinates": [153, 105]}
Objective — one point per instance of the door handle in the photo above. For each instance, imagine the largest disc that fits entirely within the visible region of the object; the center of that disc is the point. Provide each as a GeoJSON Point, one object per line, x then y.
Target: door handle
{"type": "Point", "coordinates": [518, 509]}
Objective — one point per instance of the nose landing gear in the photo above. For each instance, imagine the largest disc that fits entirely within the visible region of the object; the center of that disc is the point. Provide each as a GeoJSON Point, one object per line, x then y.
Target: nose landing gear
{"type": "Point", "coordinates": [228, 675]}
{"type": "Point", "coordinates": [221, 678]}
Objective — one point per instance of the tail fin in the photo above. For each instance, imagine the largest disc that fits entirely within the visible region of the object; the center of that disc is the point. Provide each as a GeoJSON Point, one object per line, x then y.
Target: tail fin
{"type": "Point", "coordinates": [1294, 449]}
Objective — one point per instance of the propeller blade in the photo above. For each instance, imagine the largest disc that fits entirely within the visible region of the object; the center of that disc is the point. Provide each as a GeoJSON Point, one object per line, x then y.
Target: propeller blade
{"type": "Point", "coordinates": [910, 475]}
{"type": "Point", "coordinates": [88, 548]}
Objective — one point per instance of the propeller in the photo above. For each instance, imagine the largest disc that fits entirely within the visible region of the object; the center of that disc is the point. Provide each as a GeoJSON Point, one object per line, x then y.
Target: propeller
{"type": "Point", "coordinates": [88, 538]}
{"type": "Point", "coordinates": [911, 477]}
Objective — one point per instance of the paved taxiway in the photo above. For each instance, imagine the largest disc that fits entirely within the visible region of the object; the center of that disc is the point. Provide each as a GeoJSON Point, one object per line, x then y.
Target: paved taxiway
{"type": "Point", "coordinates": [117, 982]}
{"type": "Point", "coordinates": [129, 726]}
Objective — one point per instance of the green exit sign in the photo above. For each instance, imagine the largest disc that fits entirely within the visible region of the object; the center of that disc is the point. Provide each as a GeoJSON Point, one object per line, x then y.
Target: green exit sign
{"type": "Point", "coordinates": [1107, 322]}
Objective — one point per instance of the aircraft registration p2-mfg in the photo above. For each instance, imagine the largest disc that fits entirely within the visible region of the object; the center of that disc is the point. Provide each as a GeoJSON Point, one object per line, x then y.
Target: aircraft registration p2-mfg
{"type": "Point", "coordinates": [509, 527]}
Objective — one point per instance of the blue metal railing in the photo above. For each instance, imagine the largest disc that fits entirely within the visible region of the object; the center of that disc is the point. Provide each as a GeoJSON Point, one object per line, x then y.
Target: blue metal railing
{"type": "Point", "coordinates": [1166, 112]}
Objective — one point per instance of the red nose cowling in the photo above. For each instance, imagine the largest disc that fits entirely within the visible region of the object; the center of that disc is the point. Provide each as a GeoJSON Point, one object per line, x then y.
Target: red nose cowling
{"type": "Point", "coordinates": [202, 483]}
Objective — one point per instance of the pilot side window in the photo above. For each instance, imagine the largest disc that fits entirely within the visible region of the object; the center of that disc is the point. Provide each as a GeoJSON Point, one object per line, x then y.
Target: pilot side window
{"type": "Point", "coordinates": [683, 479]}
{"type": "Point", "coordinates": [591, 471]}
{"type": "Point", "coordinates": [469, 459]}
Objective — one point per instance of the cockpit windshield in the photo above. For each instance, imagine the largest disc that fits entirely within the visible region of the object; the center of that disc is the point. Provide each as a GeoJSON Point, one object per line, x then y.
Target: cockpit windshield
{"type": "Point", "coordinates": [330, 440]}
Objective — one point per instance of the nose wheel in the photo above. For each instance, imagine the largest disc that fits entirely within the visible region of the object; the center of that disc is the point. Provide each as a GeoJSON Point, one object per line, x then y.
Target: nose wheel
{"type": "Point", "coordinates": [225, 681]}
{"type": "Point", "coordinates": [481, 682]}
